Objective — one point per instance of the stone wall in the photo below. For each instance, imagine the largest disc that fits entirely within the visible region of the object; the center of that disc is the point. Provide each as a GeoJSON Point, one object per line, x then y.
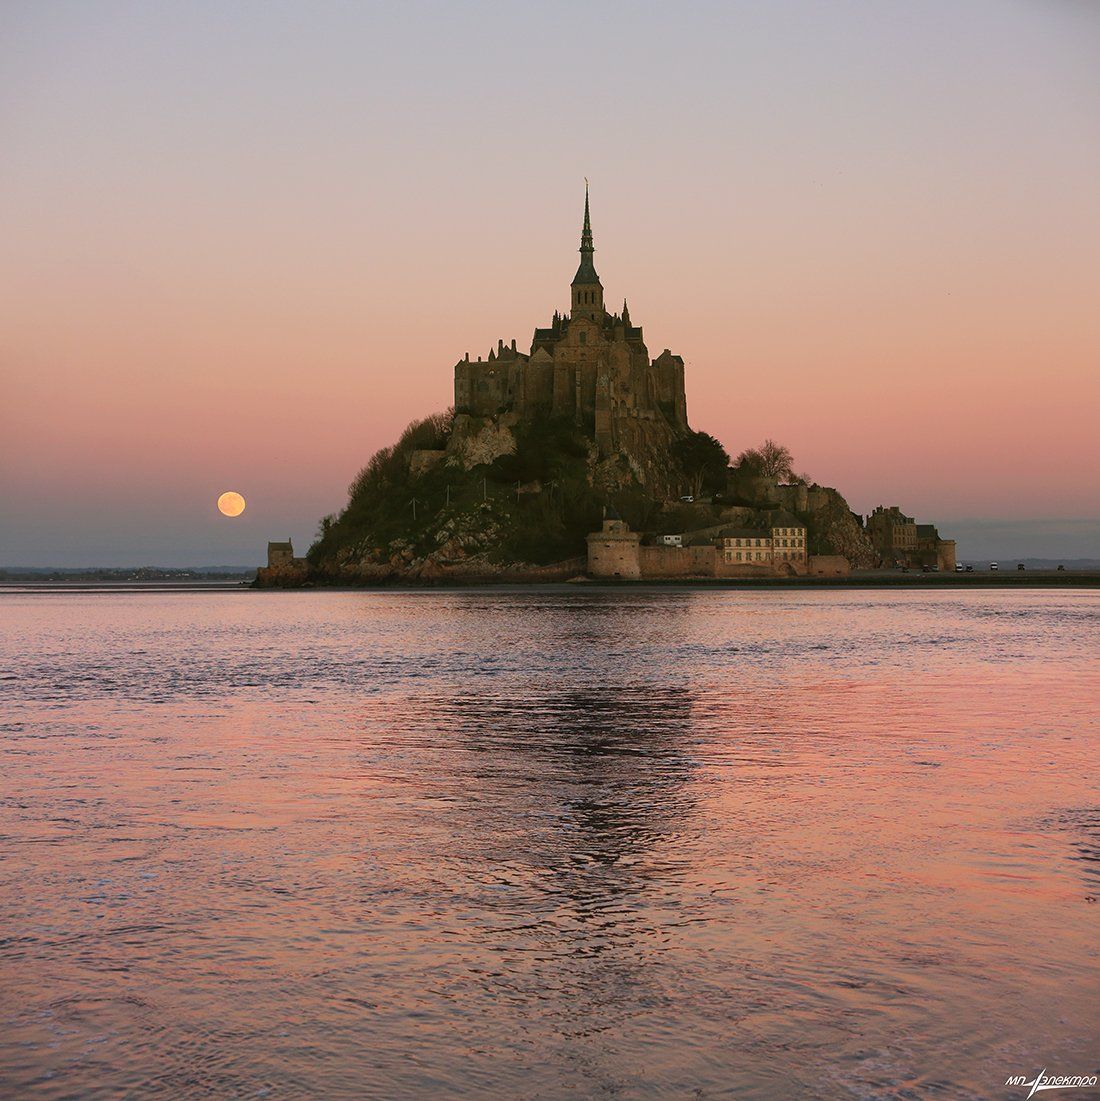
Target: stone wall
{"type": "Point", "coordinates": [285, 575]}
{"type": "Point", "coordinates": [827, 565]}
{"type": "Point", "coordinates": [794, 498]}
{"type": "Point", "coordinates": [616, 552]}
{"type": "Point", "coordinates": [665, 562]}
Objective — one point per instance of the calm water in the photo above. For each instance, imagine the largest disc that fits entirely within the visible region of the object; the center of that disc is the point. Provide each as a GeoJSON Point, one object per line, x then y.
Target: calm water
{"type": "Point", "coordinates": [560, 843]}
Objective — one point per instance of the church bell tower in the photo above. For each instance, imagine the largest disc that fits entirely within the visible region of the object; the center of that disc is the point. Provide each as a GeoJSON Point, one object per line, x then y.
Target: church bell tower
{"type": "Point", "coordinates": [587, 288]}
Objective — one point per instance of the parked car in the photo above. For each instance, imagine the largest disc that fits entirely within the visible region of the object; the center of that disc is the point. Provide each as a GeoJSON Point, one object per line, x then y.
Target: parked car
{"type": "Point", "coordinates": [926, 569]}
{"type": "Point", "coordinates": [993, 566]}
{"type": "Point", "coordinates": [1021, 566]}
{"type": "Point", "coordinates": [969, 569]}
{"type": "Point", "coordinates": [689, 498]}
{"type": "Point", "coordinates": [959, 567]}
{"type": "Point", "coordinates": [1061, 567]}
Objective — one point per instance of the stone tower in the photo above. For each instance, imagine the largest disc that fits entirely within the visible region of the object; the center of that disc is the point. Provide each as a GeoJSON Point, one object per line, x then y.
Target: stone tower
{"type": "Point", "coordinates": [587, 288]}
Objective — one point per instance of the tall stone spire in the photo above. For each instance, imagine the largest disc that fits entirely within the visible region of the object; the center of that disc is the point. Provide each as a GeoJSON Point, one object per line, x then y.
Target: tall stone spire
{"type": "Point", "coordinates": [586, 273]}
{"type": "Point", "coordinates": [587, 288]}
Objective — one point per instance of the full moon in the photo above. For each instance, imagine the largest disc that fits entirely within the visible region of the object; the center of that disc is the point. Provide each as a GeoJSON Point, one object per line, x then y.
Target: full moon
{"type": "Point", "coordinates": [231, 504]}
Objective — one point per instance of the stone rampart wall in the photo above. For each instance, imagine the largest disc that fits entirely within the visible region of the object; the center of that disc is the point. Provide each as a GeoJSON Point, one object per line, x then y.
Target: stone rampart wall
{"type": "Point", "coordinates": [678, 561]}
{"type": "Point", "coordinates": [827, 565]}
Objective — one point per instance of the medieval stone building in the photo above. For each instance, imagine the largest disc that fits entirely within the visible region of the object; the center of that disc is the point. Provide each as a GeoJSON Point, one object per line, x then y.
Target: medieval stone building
{"type": "Point", "coordinates": [901, 541]}
{"type": "Point", "coordinates": [590, 366]}
{"type": "Point", "coordinates": [775, 548]}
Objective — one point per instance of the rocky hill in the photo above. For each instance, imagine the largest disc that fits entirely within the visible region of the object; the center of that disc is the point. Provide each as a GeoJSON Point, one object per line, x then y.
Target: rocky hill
{"type": "Point", "coordinates": [542, 443]}
{"type": "Point", "coordinates": [472, 498]}
{"type": "Point", "coordinates": [466, 499]}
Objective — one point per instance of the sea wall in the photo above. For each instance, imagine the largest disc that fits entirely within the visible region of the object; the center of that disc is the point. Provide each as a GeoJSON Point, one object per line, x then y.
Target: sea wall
{"type": "Point", "coordinates": [666, 562]}
{"type": "Point", "coordinates": [827, 565]}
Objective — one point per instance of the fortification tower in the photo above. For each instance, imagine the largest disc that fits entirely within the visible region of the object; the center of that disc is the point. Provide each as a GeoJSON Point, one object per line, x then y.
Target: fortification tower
{"type": "Point", "coordinates": [587, 288]}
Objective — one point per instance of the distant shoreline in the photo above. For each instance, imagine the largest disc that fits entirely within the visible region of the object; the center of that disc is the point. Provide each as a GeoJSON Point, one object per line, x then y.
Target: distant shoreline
{"type": "Point", "coordinates": [1007, 579]}
{"type": "Point", "coordinates": [869, 579]}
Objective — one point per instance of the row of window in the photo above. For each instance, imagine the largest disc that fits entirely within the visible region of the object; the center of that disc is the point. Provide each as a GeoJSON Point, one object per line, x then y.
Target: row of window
{"type": "Point", "coordinates": [764, 542]}
{"type": "Point", "coordinates": [763, 556]}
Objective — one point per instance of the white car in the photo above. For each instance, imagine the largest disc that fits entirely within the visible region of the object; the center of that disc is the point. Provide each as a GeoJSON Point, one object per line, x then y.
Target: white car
{"type": "Point", "coordinates": [993, 566]}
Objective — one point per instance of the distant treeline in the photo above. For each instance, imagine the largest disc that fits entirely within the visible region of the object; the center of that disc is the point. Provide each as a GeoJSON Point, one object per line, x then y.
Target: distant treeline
{"type": "Point", "coordinates": [24, 574]}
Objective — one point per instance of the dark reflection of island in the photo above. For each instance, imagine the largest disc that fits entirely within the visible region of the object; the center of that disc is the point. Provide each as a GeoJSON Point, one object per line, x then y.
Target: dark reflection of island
{"type": "Point", "coordinates": [576, 825]}
{"type": "Point", "coordinates": [577, 787]}
{"type": "Point", "coordinates": [541, 832]}
{"type": "Point", "coordinates": [575, 782]}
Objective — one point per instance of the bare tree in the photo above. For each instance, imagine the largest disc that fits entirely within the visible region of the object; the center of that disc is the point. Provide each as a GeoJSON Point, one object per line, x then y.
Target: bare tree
{"type": "Point", "coordinates": [778, 461]}
{"type": "Point", "coordinates": [770, 460]}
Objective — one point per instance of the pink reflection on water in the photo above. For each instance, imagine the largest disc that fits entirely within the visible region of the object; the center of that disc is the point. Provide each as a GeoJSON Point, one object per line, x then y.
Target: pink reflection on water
{"type": "Point", "coordinates": [499, 844]}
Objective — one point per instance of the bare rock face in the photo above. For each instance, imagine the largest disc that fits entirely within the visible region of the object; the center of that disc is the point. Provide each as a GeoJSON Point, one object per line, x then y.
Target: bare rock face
{"type": "Point", "coordinates": [477, 440]}
{"type": "Point", "coordinates": [834, 529]}
{"type": "Point", "coordinates": [738, 515]}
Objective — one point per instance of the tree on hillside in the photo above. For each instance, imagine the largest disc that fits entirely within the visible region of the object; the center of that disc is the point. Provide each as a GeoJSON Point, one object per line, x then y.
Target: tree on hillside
{"type": "Point", "coordinates": [391, 464]}
{"type": "Point", "coordinates": [769, 460]}
{"type": "Point", "coordinates": [704, 460]}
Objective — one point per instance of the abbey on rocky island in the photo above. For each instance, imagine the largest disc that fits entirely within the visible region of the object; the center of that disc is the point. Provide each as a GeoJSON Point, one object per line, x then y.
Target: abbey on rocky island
{"type": "Point", "coordinates": [543, 447]}
{"type": "Point", "coordinates": [591, 366]}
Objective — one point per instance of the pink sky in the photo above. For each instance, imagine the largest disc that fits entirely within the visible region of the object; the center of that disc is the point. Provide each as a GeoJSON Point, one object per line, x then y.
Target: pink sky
{"type": "Point", "coordinates": [244, 248]}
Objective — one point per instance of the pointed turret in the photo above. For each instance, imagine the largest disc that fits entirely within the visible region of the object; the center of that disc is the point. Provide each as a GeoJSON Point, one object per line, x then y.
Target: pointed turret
{"type": "Point", "coordinates": [587, 288]}
{"type": "Point", "coordinates": [626, 315]}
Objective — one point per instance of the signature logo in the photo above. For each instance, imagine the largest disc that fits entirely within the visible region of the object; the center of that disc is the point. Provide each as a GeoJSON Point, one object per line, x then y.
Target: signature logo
{"type": "Point", "coordinates": [1044, 1081]}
